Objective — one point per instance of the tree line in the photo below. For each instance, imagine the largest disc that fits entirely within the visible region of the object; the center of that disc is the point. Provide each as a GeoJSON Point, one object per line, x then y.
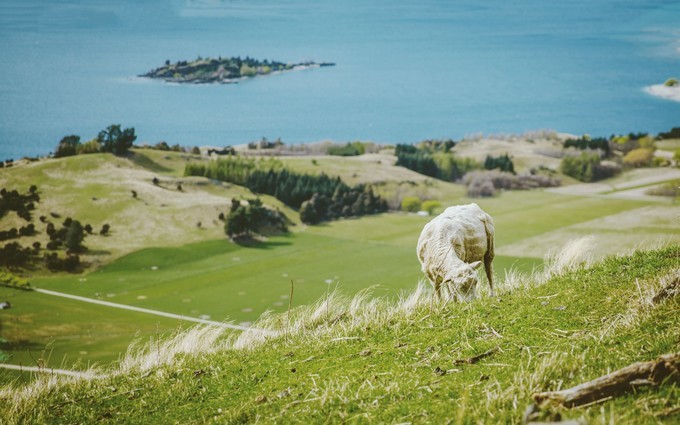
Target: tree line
{"type": "Point", "coordinates": [113, 139]}
{"type": "Point", "coordinates": [326, 198]}
{"type": "Point", "coordinates": [434, 159]}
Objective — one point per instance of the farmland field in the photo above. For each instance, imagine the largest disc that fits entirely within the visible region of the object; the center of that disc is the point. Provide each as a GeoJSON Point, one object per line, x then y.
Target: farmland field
{"type": "Point", "coordinates": [157, 258]}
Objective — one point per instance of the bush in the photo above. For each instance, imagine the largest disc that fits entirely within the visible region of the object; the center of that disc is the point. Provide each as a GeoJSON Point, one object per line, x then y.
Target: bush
{"type": "Point", "coordinates": [67, 146]}
{"type": "Point", "coordinates": [14, 255]}
{"type": "Point", "coordinates": [13, 281]}
{"type": "Point", "coordinates": [486, 183]}
{"type": "Point", "coordinates": [580, 167]}
{"type": "Point", "coordinates": [253, 218]}
{"type": "Point", "coordinates": [586, 142]}
{"type": "Point", "coordinates": [91, 146]}
{"type": "Point", "coordinates": [410, 204]}
{"type": "Point", "coordinates": [430, 206]}
{"type": "Point", "coordinates": [670, 189]}
{"type": "Point", "coordinates": [672, 82]}
{"type": "Point", "coordinates": [308, 213]}
{"type": "Point", "coordinates": [641, 157]}
{"type": "Point", "coordinates": [350, 149]}
{"type": "Point", "coordinates": [503, 163]}
{"type": "Point", "coordinates": [69, 264]}
{"type": "Point", "coordinates": [481, 188]}
{"type": "Point", "coordinates": [434, 160]}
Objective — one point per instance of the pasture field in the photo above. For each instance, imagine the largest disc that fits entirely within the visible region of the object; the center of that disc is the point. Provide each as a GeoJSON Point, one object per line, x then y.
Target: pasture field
{"type": "Point", "coordinates": [158, 258]}
{"type": "Point", "coordinates": [365, 360]}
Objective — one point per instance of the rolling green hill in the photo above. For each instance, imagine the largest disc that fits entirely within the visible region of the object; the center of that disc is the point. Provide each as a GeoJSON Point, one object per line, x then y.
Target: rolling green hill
{"type": "Point", "coordinates": [383, 360]}
{"type": "Point", "coordinates": [157, 257]}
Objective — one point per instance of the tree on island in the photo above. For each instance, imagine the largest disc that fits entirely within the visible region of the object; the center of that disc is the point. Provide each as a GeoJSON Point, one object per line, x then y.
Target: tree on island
{"type": "Point", "coordinates": [115, 140]}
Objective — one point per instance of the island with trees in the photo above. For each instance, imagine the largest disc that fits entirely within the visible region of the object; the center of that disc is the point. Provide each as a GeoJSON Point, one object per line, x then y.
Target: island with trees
{"type": "Point", "coordinates": [223, 70]}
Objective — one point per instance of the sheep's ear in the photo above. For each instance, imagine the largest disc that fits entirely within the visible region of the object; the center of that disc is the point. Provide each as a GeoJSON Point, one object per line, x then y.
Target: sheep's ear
{"type": "Point", "coordinates": [476, 265]}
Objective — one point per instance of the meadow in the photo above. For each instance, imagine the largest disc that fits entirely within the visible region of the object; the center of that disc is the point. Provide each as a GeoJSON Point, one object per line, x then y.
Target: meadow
{"type": "Point", "coordinates": [362, 359]}
{"type": "Point", "coordinates": [159, 257]}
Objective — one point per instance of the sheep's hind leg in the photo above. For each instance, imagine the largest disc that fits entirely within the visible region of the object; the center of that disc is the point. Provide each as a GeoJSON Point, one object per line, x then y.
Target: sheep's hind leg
{"type": "Point", "coordinates": [488, 267]}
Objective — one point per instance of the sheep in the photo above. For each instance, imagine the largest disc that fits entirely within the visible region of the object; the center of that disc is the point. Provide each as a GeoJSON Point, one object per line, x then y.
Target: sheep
{"type": "Point", "coordinates": [452, 247]}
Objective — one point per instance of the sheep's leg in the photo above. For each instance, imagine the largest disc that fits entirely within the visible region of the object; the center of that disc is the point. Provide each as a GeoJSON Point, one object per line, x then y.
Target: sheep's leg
{"type": "Point", "coordinates": [488, 257]}
{"type": "Point", "coordinates": [488, 267]}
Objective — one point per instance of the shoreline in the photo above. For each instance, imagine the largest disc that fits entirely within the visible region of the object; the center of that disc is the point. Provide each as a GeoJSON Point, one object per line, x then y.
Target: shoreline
{"type": "Point", "coordinates": [664, 92]}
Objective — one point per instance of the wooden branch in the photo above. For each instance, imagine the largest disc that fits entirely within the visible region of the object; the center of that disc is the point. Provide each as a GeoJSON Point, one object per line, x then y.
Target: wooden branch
{"type": "Point", "coordinates": [669, 291]}
{"type": "Point", "coordinates": [616, 383]}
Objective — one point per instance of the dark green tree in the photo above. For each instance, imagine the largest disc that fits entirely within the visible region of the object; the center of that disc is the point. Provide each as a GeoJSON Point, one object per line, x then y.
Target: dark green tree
{"type": "Point", "coordinates": [68, 146]}
{"type": "Point", "coordinates": [74, 236]}
{"type": "Point", "coordinates": [115, 140]}
{"type": "Point", "coordinates": [308, 213]}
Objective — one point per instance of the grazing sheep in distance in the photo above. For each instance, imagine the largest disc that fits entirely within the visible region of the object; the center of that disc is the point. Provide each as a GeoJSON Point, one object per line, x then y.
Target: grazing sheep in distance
{"type": "Point", "coordinates": [452, 247]}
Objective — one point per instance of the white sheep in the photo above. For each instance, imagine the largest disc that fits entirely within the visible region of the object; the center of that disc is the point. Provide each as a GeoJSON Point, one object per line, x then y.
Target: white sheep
{"type": "Point", "coordinates": [453, 245]}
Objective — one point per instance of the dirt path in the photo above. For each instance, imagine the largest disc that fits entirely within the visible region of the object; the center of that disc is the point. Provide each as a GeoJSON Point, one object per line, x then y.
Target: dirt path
{"type": "Point", "coordinates": [143, 310]}
{"type": "Point", "coordinates": [631, 185]}
{"type": "Point", "coordinates": [36, 369]}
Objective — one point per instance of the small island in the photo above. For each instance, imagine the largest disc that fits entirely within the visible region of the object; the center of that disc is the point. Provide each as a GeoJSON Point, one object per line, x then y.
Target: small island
{"type": "Point", "coordinates": [669, 90]}
{"type": "Point", "coordinates": [223, 70]}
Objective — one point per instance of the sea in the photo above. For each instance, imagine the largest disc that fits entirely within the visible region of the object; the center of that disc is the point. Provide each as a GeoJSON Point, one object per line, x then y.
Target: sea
{"type": "Point", "coordinates": [405, 70]}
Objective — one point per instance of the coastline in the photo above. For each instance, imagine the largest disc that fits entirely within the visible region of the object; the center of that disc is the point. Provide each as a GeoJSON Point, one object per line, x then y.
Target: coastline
{"type": "Point", "coordinates": [665, 92]}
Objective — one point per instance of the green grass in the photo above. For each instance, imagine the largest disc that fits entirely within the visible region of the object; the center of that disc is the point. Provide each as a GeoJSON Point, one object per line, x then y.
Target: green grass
{"type": "Point", "coordinates": [668, 145]}
{"type": "Point", "coordinates": [378, 361]}
{"type": "Point", "coordinates": [62, 333]}
{"type": "Point", "coordinates": [162, 261]}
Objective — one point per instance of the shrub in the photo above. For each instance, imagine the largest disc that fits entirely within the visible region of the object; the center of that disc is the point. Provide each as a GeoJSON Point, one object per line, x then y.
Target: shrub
{"type": "Point", "coordinates": [91, 146]}
{"type": "Point", "coordinates": [410, 204]}
{"type": "Point", "coordinates": [308, 213]}
{"type": "Point", "coordinates": [13, 281]}
{"type": "Point", "coordinates": [641, 157]}
{"type": "Point", "coordinates": [54, 263]}
{"type": "Point", "coordinates": [580, 167]}
{"type": "Point", "coordinates": [105, 230]}
{"type": "Point", "coordinates": [586, 142]}
{"type": "Point", "coordinates": [503, 163]}
{"type": "Point", "coordinates": [672, 82]}
{"type": "Point", "coordinates": [67, 146]}
{"type": "Point", "coordinates": [670, 189]}
{"type": "Point", "coordinates": [14, 255]}
{"type": "Point", "coordinates": [481, 188]}
{"type": "Point", "coordinates": [350, 149]}
{"type": "Point", "coordinates": [433, 159]}
{"type": "Point", "coordinates": [75, 234]}
{"type": "Point", "coordinates": [486, 183]}
{"type": "Point", "coordinates": [245, 220]}
{"type": "Point", "coordinates": [430, 206]}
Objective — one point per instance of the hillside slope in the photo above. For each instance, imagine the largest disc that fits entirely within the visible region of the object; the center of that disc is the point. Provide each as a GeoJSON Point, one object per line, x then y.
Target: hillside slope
{"type": "Point", "coordinates": [373, 360]}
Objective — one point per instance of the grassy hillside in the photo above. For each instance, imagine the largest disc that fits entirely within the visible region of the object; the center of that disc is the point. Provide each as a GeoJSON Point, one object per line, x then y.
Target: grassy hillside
{"type": "Point", "coordinates": [368, 360]}
{"type": "Point", "coordinates": [158, 258]}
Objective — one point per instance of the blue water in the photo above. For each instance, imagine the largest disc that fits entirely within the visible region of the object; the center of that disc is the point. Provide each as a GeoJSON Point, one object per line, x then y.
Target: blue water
{"type": "Point", "coordinates": [406, 70]}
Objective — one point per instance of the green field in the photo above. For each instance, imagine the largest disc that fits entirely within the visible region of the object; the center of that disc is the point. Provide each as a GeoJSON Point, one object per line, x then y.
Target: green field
{"type": "Point", "coordinates": [363, 360]}
{"type": "Point", "coordinates": [158, 258]}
